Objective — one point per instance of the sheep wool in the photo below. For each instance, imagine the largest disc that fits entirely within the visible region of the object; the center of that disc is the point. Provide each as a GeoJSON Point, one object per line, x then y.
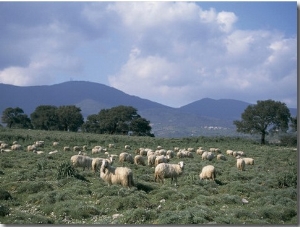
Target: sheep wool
{"type": "Point", "coordinates": [116, 175]}
{"type": "Point", "coordinates": [139, 160]}
{"type": "Point", "coordinates": [166, 170]}
{"type": "Point", "coordinates": [208, 172]}
{"type": "Point", "coordinates": [240, 164]}
{"type": "Point", "coordinates": [249, 161]}
{"type": "Point", "coordinates": [81, 161]}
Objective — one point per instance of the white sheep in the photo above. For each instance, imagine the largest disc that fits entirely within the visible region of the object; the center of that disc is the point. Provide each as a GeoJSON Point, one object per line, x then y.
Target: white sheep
{"type": "Point", "coordinates": [151, 160]}
{"type": "Point", "coordinates": [116, 175]}
{"type": "Point", "coordinates": [31, 148]}
{"type": "Point", "coordinates": [67, 148]}
{"type": "Point", "coordinates": [184, 154]}
{"type": "Point", "coordinates": [81, 161]}
{"type": "Point", "coordinates": [55, 144]}
{"type": "Point", "coordinates": [127, 147]}
{"type": "Point", "coordinates": [240, 164]}
{"type": "Point", "coordinates": [170, 153]}
{"type": "Point", "coordinates": [76, 148]}
{"type": "Point", "coordinates": [39, 143]}
{"type": "Point", "coordinates": [249, 161]}
{"type": "Point", "coordinates": [161, 159]}
{"type": "Point", "coordinates": [53, 152]}
{"type": "Point", "coordinates": [166, 170]}
{"type": "Point", "coordinates": [221, 157]}
{"type": "Point", "coordinates": [139, 160]}
{"type": "Point", "coordinates": [16, 147]}
{"type": "Point", "coordinates": [82, 153]}
{"type": "Point", "coordinates": [97, 149]}
{"type": "Point", "coordinates": [97, 162]}
{"type": "Point", "coordinates": [229, 152]}
{"type": "Point", "coordinates": [199, 151]}
{"type": "Point", "coordinates": [126, 157]}
{"type": "Point", "coordinates": [4, 145]}
{"type": "Point", "coordinates": [208, 172]}
{"type": "Point", "coordinates": [216, 150]}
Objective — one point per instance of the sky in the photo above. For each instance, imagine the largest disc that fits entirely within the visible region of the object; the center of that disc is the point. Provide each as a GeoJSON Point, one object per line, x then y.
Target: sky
{"type": "Point", "coordinates": [173, 53]}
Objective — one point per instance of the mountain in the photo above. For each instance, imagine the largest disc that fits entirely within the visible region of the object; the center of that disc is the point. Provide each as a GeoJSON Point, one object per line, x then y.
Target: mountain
{"type": "Point", "coordinates": [204, 117]}
{"type": "Point", "coordinates": [228, 109]}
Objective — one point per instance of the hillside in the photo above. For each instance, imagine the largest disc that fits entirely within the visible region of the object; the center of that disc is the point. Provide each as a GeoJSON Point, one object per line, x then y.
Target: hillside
{"type": "Point", "coordinates": [204, 117]}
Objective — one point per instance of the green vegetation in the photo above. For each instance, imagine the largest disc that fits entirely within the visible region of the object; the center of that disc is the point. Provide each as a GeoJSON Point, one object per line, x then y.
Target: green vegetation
{"type": "Point", "coordinates": [265, 116]}
{"type": "Point", "coordinates": [46, 189]}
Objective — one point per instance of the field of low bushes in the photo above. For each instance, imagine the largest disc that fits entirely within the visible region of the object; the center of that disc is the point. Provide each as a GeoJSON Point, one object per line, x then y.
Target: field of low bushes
{"type": "Point", "coordinates": [46, 189]}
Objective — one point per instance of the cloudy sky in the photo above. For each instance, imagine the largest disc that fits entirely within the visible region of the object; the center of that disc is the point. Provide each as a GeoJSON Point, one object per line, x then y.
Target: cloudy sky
{"type": "Point", "coordinates": [172, 53]}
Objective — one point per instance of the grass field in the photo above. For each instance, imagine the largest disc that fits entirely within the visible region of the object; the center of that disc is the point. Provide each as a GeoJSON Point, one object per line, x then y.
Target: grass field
{"type": "Point", "coordinates": [33, 190]}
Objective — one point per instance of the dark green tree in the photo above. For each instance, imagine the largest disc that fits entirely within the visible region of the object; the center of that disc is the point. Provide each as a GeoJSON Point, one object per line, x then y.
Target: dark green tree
{"type": "Point", "coordinates": [141, 127]}
{"type": "Point", "coordinates": [45, 118]}
{"type": "Point", "coordinates": [118, 120]}
{"type": "Point", "coordinates": [264, 116]}
{"type": "Point", "coordinates": [70, 118]}
{"type": "Point", "coordinates": [92, 124]}
{"type": "Point", "coordinates": [15, 117]}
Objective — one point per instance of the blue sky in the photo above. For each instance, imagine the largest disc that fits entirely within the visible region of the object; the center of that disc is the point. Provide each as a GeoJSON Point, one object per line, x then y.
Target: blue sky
{"type": "Point", "coordinates": [173, 53]}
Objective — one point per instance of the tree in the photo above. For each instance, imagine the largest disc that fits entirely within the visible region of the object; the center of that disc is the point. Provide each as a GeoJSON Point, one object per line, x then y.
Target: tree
{"type": "Point", "coordinates": [118, 120]}
{"type": "Point", "coordinates": [70, 118]}
{"type": "Point", "coordinates": [15, 117]}
{"type": "Point", "coordinates": [265, 115]}
{"type": "Point", "coordinates": [141, 127]}
{"type": "Point", "coordinates": [45, 118]}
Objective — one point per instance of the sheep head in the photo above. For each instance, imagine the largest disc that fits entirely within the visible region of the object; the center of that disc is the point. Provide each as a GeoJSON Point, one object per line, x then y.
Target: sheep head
{"type": "Point", "coordinates": [181, 164]}
{"type": "Point", "coordinates": [104, 165]}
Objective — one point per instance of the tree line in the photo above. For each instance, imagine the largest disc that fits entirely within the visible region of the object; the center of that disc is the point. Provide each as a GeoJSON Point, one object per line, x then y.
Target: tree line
{"type": "Point", "coordinates": [261, 118]}
{"type": "Point", "coordinates": [117, 120]}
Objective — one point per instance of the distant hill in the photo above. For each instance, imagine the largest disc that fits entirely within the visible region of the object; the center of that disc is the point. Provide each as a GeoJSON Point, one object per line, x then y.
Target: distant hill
{"type": "Point", "coordinates": [202, 117]}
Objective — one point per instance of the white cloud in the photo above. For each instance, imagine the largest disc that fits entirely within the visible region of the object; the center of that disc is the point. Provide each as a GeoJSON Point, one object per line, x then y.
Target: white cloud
{"type": "Point", "coordinates": [220, 61]}
{"type": "Point", "coordinates": [169, 52]}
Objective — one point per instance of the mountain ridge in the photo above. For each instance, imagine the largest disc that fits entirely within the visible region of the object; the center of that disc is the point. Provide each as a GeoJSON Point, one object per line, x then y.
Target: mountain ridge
{"type": "Point", "coordinates": [91, 97]}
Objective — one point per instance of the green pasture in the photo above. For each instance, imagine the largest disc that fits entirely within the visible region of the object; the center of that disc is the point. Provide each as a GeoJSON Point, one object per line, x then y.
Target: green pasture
{"type": "Point", "coordinates": [45, 189]}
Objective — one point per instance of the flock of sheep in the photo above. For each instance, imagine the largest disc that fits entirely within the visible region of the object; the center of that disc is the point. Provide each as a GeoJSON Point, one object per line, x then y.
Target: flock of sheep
{"type": "Point", "coordinates": [157, 159]}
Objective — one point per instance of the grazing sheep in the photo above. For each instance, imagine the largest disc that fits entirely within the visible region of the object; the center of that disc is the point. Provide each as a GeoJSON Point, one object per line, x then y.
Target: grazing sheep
{"type": "Point", "coordinates": [161, 159]}
{"type": "Point", "coordinates": [84, 147]}
{"type": "Point", "coordinates": [116, 175]}
{"type": "Point", "coordinates": [97, 162]}
{"type": "Point", "coordinates": [96, 149]}
{"type": "Point", "coordinates": [234, 154]}
{"type": "Point", "coordinates": [240, 164]}
{"type": "Point", "coordinates": [248, 161]}
{"type": "Point", "coordinates": [16, 147]}
{"type": "Point", "coordinates": [240, 153]}
{"type": "Point", "coordinates": [184, 154]}
{"type": "Point", "coordinates": [81, 161]}
{"type": "Point", "coordinates": [151, 160]}
{"type": "Point", "coordinates": [38, 152]}
{"type": "Point", "coordinates": [143, 152]}
{"type": "Point", "coordinates": [170, 153]}
{"type": "Point", "coordinates": [150, 152]}
{"type": "Point", "coordinates": [199, 151]}
{"type": "Point", "coordinates": [39, 143]}
{"type": "Point", "coordinates": [55, 144]}
{"type": "Point", "coordinates": [67, 149]}
{"type": "Point", "coordinates": [176, 149]}
{"type": "Point", "coordinates": [31, 148]}
{"type": "Point", "coordinates": [229, 152]}
{"type": "Point", "coordinates": [191, 149]}
{"type": "Point", "coordinates": [5, 150]}
{"type": "Point", "coordinates": [208, 172]}
{"type": "Point", "coordinates": [127, 147]}
{"type": "Point", "coordinates": [126, 157]}
{"type": "Point", "coordinates": [139, 160]}
{"type": "Point", "coordinates": [166, 170]}
{"type": "Point", "coordinates": [204, 155]}
{"type": "Point", "coordinates": [53, 152]}
{"type": "Point", "coordinates": [76, 148]}
{"type": "Point", "coordinates": [160, 152]}
{"type": "Point", "coordinates": [216, 150]}
{"type": "Point", "coordinates": [159, 147]}
{"type": "Point", "coordinates": [4, 145]}
{"type": "Point", "coordinates": [221, 157]}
